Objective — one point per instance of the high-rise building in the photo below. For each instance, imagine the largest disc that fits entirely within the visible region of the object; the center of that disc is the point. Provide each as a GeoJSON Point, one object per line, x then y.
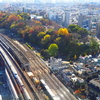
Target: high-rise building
{"type": "Point", "coordinates": [67, 18]}
{"type": "Point", "coordinates": [81, 19]}
{"type": "Point", "coordinates": [98, 28]}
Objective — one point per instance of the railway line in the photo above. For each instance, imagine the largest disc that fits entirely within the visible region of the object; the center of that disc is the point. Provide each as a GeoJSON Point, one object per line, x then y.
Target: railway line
{"type": "Point", "coordinates": [32, 91]}
{"type": "Point", "coordinates": [25, 81]}
{"type": "Point", "coordinates": [17, 91]}
{"type": "Point", "coordinates": [40, 70]}
{"type": "Point", "coordinates": [52, 81]}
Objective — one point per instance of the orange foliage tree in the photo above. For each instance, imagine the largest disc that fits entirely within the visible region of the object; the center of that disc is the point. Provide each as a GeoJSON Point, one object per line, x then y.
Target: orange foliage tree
{"type": "Point", "coordinates": [12, 18]}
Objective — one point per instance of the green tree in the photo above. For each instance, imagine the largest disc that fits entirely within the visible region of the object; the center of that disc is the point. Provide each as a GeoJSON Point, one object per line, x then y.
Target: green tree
{"type": "Point", "coordinates": [94, 46]}
{"type": "Point", "coordinates": [53, 49]}
{"type": "Point", "coordinates": [73, 28]}
{"type": "Point", "coordinates": [83, 32]}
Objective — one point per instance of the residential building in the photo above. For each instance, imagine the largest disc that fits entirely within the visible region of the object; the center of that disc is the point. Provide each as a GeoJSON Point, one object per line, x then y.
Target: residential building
{"type": "Point", "coordinates": [85, 71]}
{"type": "Point", "coordinates": [94, 86]}
{"type": "Point", "coordinates": [55, 63]}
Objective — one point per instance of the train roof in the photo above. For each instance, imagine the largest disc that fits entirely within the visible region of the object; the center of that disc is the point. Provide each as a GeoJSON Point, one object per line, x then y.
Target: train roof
{"type": "Point", "coordinates": [21, 57]}
{"type": "Point", "coordinates": [52, 94]}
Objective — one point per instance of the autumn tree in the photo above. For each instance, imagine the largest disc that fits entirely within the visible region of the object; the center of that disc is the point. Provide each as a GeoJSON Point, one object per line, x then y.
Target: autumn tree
{"type": "Point", "coordinates": [38, 29]}
{"type": "Point", "coordinates": [75, 56]}
{"type": "Point", "coordinates": [41, 34]}
{"type": "Point", "coordinates": [63, 31]}
{"type": "Point", "coordinates": [44, 21]}
{"type": "Point", "coordinates": [53, 49]}
{"type": "Point", "coordinates": [12, 18]}
{"type": "Point", "coordinates": [45, 39]}
{"type": "Point", "coordinates": [24, 33]}
{"type": "Point", "coordinates": [25, 16]}
{"type": "Point", "coordinates": [14, 27]}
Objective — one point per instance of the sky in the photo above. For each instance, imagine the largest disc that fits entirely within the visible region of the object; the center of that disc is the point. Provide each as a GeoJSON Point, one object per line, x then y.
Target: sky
{"type": "Point", "coordinates": [53, 1]}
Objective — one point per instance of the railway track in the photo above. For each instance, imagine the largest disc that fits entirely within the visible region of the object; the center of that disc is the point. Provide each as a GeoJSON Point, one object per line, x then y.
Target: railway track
{"type": "Point", "coordinates": [35, 95]}
{"type": "Point", "coordinates": [52, 81]}
{"type": "Point", "coordinates": [13, 80]}
{"type": "Point", "coordinates": [42, 72]}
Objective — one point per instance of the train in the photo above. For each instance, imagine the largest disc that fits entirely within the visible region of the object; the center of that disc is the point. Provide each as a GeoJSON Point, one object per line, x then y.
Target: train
{"type": "Point", "coordinates": [17, 54]}
{"type": "Point", "coordinates": [13, 91]}
{"type": "Point", "coordinates": [46, 87]}
{"type": "Point", "coordinates": [18, 79]}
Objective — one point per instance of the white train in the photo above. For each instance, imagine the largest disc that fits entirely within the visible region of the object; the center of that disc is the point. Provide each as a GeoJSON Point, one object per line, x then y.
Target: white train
{"type": "Point", "coordinates": [54, 97]}
{"type": "Point", "coordinates": [24, 91]}
{"type": "Point", "coordinates": [13, 91]}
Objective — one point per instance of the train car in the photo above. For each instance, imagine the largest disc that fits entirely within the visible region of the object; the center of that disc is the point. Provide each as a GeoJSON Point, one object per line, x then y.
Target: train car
{"type": "Point", "coordinates": [21, 85]}
{"type": "Point", "coordinates": [17, 54]}
{"type": "Point", "coordinates": [52, 95]}
{"type": "Point", "coordinates": [26, 94]}
{"type": "Point", "coordinates": [13, 91]}
{"type": "Point", "coordinates": [0, 97]}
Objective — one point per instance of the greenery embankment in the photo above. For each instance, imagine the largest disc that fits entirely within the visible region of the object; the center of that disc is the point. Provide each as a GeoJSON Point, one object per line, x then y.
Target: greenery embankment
{"type": "Point", "coordinates": [52, 40]}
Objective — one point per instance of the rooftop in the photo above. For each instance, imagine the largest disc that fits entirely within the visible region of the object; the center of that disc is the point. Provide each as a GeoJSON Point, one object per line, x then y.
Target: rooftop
{"type": "Point", "coordinates": [96, 82]}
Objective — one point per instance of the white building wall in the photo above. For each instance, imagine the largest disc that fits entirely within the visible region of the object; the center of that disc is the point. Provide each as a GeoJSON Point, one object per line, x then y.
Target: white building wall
{"type": "Point", "coordinates": [55, 63]}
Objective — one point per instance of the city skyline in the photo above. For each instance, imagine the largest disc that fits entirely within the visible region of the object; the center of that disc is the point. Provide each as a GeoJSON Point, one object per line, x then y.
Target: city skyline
{"type": "Point", "coordinates": [48, 1]}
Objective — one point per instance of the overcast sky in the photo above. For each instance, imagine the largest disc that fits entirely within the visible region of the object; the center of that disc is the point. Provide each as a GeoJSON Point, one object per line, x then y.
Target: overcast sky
{"type": "Point", "coordinates": [53, 1]}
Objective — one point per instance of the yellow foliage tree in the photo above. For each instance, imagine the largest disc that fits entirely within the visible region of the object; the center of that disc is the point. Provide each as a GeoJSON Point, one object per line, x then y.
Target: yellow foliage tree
{"type": "Point", "coordinates": [63, 31]}
{"type": "Point", "coordinates": [75, 56]}
{"type": "Point", "coordinates": [41, 34]}
{"type": "Point", "coordinates": [20, 17]}
{"type": "Point", "coordinates": [23, 32]}
{"type": "Point", "coordinates": [58, 39]}
{"type": "Point", "coordinates": [45, 39]}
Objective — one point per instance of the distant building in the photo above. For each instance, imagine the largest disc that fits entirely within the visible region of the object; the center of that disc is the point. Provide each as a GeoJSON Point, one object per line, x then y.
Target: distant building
{"type": "Point", "coordinates": [85, 71]}
{"type": "Point", "coordinates": [94, 86]}
{"type": "Point", "coordinates": [52, 15]}
{"type": "Point", "coordinates": [98, 28]}
{"type": "Point", "coordinates": [36, 17]}
{"type": "Point", "coordinates": [23, 9]}
{"type": "Point", "coordinates": [77, 82]}
{"type": "Point", "coordinates": [67, 18]}
{"type": "Point", "coordinates": [87, 24]}
{"type": "Point", "coordinates": [55, 63]}
{"type": "Point", "coordinates": [81, 18]}
{"type": "Point", "coordinates": [85, 59]}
